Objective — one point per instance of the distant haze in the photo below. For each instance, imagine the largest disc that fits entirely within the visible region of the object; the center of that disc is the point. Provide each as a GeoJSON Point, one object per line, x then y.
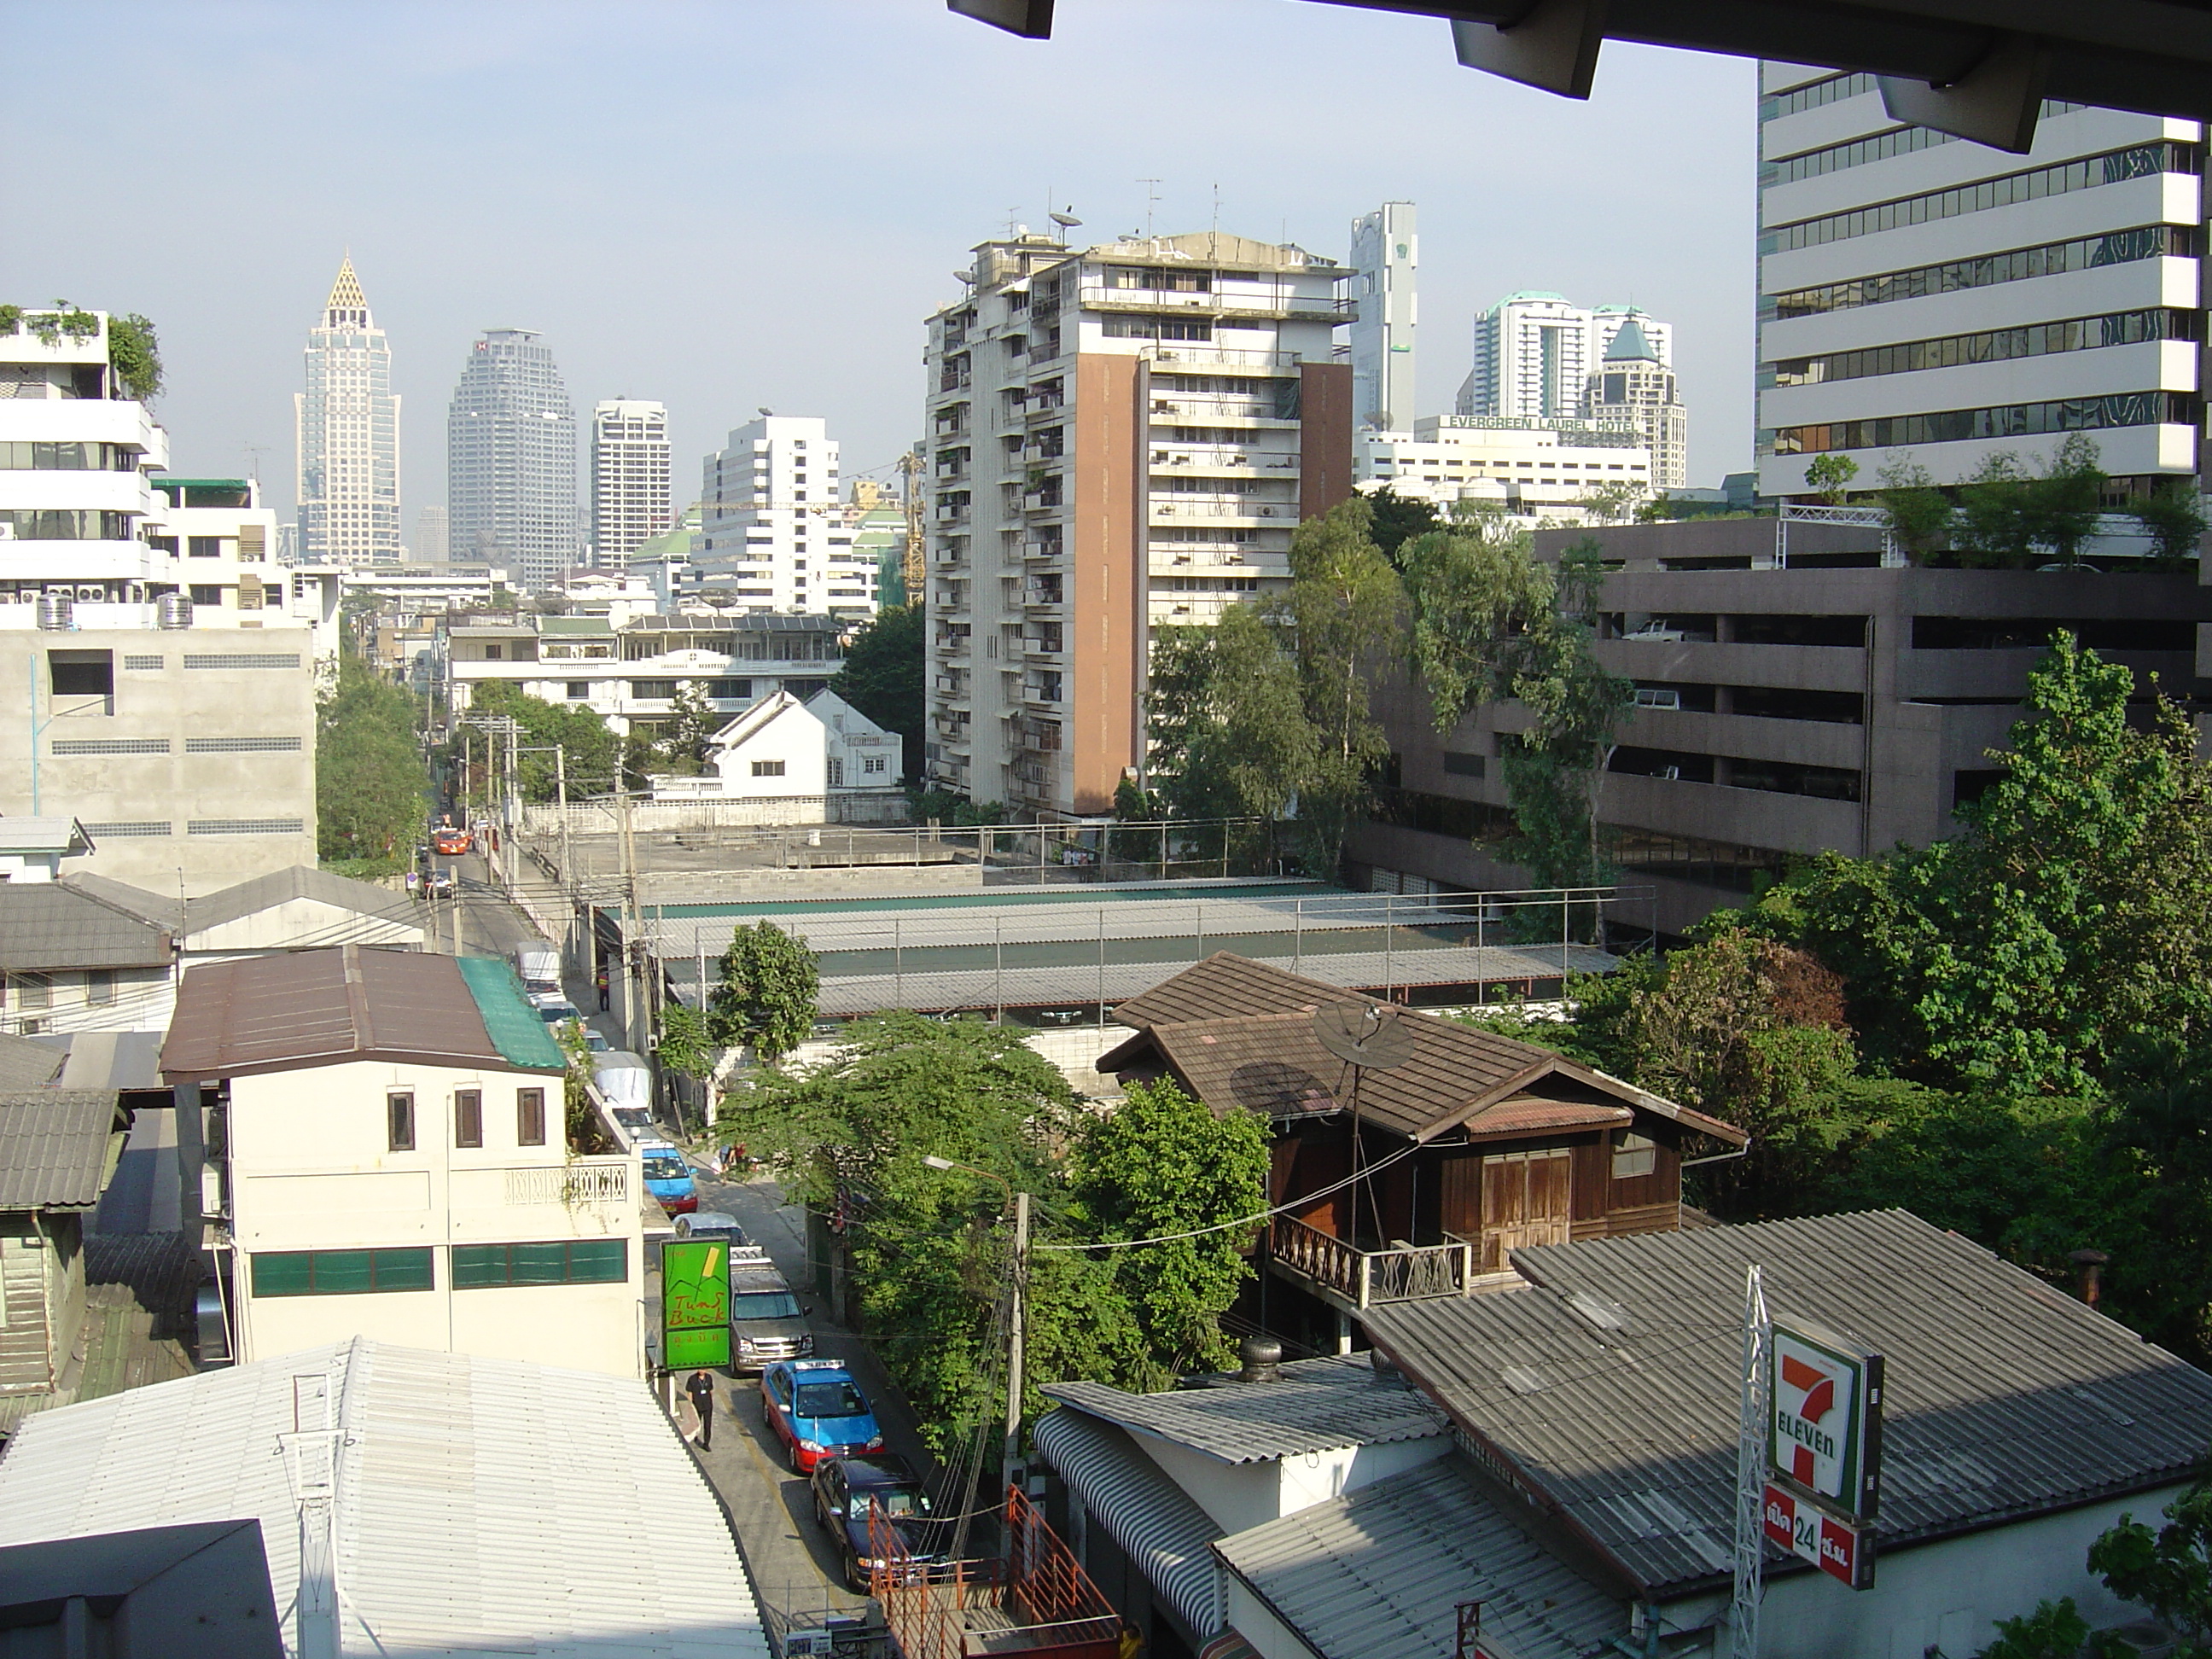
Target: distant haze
{"type": "Point", "coordinates": [724, 206]}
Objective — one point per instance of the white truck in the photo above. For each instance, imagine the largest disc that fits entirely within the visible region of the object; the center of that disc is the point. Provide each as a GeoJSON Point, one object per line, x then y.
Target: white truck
{"type": "Point", "coordinates": [538, 967]}
{"type": "Point", "coordinates": [625, 1081]}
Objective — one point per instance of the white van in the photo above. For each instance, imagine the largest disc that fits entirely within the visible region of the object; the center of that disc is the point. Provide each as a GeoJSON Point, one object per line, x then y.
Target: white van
{"type": "Point", "coordinates": [538, 966]}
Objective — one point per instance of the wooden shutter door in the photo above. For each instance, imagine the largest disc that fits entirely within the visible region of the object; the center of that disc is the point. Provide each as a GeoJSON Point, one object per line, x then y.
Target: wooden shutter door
{"type": "Point", "coordinates": [1551, 1203]}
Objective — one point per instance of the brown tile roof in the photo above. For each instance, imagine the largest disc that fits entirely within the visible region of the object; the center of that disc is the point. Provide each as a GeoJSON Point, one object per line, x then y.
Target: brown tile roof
{"type": "Point", "coordinates": [1240, 1033]}
{"type": "Point", "coordinates": [321, 1008]}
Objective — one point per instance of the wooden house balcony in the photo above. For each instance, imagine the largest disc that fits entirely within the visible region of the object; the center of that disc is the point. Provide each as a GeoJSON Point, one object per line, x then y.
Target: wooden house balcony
{"type": "Point", "coordinates": [1353, 1279]}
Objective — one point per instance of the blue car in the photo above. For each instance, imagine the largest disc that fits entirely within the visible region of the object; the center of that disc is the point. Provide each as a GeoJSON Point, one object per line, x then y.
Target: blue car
{"type": "Point", "coordinates": [818, 1411]}
{"type": "Point", "coordinates": [668, 1176]}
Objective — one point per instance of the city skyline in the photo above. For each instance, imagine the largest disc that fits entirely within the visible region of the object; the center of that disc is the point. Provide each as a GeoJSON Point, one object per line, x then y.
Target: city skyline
{"type": "Point", "coordinates": [687, 296]}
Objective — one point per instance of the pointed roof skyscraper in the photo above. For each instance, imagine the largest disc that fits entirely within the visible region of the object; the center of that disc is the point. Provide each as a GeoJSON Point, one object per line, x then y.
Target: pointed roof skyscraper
{"type": "Point", "coordinates": [347, 307]}
{"type": "Point", "coordinates": [346, 425]}
{"type": "Point", "coordinates": [1629, 345]}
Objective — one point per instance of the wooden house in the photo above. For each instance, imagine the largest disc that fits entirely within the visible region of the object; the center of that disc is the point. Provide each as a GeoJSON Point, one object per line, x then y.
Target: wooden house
{"type": "Point", "coordinates": [58, 1149]}
{"type": "Point", "coordinates": [1414, 1180]}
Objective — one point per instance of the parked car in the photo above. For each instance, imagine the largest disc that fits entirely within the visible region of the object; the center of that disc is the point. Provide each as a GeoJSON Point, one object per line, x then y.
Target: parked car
{"type": "Point", "coordinates": [847, 1488]}
{"type": "Point", "coordinates": [449, 842]}
{"type": "Point", "coordinates": [439, 883]}
{"type": "Point", "coordinates": [636, 1125]}
{"type": "Point", "coordinates": [818, 1411]}
{"type": "Point", "coordinates": [555, 1010]}
{"type": "Point", "coordinates": [596, 1043]}
{"type": "Point", "coordinates": [767, 1321]}
{"type": "Point", "coordinates": [711, 1223]}
{"type": "Point", "coordinates": [668, 1177]}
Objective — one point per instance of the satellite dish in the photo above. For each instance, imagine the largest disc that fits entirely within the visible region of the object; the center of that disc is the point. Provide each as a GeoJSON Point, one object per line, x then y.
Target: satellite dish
{"type": "Point", "coordinates": [967, 276]}
{"type": "Point", "coordinates": [1364, 1034]}
{"type": "Point", "coordinates": [767, 411]}
{"type": "Point", "coordinates": [1065, 221]}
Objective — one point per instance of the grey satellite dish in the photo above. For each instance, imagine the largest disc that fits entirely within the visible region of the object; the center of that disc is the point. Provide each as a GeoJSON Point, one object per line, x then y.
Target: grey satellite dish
{"type": "Point", "coordinates": [1065, 221]}
{"type": "Point", "coordinates": [1364, 1034]}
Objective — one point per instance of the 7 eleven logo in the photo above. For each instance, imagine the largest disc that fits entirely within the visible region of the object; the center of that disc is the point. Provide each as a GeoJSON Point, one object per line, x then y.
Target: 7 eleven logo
{"type": "Point", "coordinates": [1815, 1406]}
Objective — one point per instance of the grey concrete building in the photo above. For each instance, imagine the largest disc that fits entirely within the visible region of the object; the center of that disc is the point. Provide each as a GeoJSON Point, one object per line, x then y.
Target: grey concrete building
{"type": "Point", "coordinates": [1790, 701]}
{"type": "Point", "coordinates": [511, 460]}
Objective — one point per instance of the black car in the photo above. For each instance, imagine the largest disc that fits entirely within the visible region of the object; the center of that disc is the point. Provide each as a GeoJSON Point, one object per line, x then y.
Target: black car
{"type": "Point", "coordinates": [846, 1488]}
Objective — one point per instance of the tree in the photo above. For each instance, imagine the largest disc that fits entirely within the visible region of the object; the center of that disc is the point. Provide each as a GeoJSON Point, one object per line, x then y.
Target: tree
{"type": "Point", "coordinates": [882, 674]}
{"type": "Point", "coordinates": [1617, 502]}
{"type": "Point", "coordinates": [2172, 516]}
{"type": "Point", "coordinates": [1920, 515]}
{"type": "Point", "coordinates": [591, 749]}
{"type": "Point", "coordinates": [1397, 520]}
{"type": "Point", "coordinates": [1178, 697]}
{"type": "Point", "coordinates": [135, 354]}
{"type": "Point", "coordinates": [1250, 746]}
{"type": "Point", "coordinates": [766, 997]}
{"type": "Point", "coordinates": [370, 783]}
{"type": "Point", "coordinates": [1348, 611]}
{"type": "Point", "coordinates": [2055, 1630]}
{"type": "Point", "coordinates": [1830, 477]}
{"type": "Point", "coordinates": [2066, 495]}
{"type": "Point", "coordinates": [685, 742]}
{"type": "Point", "coordinates": [2169, 1570]}
{"type": "Point", "coordinates": [1995, 524]}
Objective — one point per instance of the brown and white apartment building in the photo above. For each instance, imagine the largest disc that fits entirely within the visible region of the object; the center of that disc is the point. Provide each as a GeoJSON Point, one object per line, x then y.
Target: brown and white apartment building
{"type": "Point", "coordinates": [1120, 438]}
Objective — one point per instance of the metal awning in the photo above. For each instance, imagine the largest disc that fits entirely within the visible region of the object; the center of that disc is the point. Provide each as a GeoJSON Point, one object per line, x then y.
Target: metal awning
{"type": "Point", "coordinates": [1154, 1520]}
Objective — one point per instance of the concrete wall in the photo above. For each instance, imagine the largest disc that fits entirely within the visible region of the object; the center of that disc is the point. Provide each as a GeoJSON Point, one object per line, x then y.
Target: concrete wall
{"type": "Point", "coordinates": [165, 806]}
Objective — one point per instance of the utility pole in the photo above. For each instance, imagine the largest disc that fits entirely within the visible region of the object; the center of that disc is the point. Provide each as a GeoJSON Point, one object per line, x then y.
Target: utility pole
{"type": "Point", "coordinates": [629, 898]}
{"type": "Point", "coordinates": [1013, 1452]}
{"type": "Point", "coordinates": [514, 800]}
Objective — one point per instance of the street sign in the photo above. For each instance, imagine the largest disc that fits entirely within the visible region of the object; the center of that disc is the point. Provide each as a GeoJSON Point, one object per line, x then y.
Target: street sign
{"type": "Point", "coordinates": [1825, 1420]}
{"type": "Point", "coordinates": [1840, 1550]}
{"type": "Point", "coordinates": [695, 1303]}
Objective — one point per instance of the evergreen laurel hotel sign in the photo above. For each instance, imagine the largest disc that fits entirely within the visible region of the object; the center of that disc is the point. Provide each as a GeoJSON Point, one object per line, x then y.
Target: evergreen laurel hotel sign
{"type": "Point", "coordinates": [1824, 1449]}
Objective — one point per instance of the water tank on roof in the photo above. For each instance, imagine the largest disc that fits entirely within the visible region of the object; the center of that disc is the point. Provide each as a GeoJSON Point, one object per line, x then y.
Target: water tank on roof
{"type": "Point", "coordinates": [57, 612]}
{"type": "Point", "coordinates": [173, 611]}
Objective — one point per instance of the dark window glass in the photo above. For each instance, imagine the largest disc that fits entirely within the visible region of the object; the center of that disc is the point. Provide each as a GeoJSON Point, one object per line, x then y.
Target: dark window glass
{"type": "Point", "coordinates": [203, 547]}
{"type": "Point", "coordinates": [579, 1261]}
{"type": "Point", "coordinates": [530, 1117]}
{"type": "Point", "coordinates": [468, 1117]}
{"type": "Point", "coordinates": [340, 1272]}
{"type": "Point", "coordinates": [1797, 630]}
{"type": "Point", "coordinates": [399, 1115]}
{"type": "Point", "coordinates": [81, 674]}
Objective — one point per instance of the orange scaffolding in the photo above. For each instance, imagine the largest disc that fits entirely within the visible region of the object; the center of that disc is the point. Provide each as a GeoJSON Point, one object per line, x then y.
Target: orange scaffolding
{"type": "Point", "coordinates": [1035, 1600]}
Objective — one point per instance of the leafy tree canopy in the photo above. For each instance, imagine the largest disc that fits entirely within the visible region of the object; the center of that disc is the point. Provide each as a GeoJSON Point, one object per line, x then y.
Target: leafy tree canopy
{"type": "Point", "coordinates": [767, 997]}
{"type": "Point", "coordinates": [1397, 520]}
{"type": "Point", "coordinates": [591, 747]}
{"type": "Point", "coordinates": [371, 800]}
{"type": "Point", "coordinates": [882, 677]}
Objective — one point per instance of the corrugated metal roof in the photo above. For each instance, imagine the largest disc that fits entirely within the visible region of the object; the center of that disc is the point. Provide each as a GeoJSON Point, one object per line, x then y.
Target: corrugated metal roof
{"type": "Point", "coordinates": [166, 912]}
{"type": "Point", "coordinates": [1159, 1525]}
{"type": "Point", "coordinates": [299, 881]}
{"type": "Point", "coordinates": [57, 1146]}
{"type": "Point", "coordinates": [1379, 1573]}
{"type": "Point", "coordinates": [1224, 985]}
{"type": "Point", "coordinates": [483, 1506]}
{"type": "Point", "coordinates": [323, 1007]}
{"type": "Point", "coordinates": [25, 1064]}
{"type": "Point", "coordinates": [47, 835]}
{"type": "Point", "coordinates": [2005, 1398]}
{"type": "Point", "coordinates": [1317, 1404]}
{"type": "Point", "coordinates": [47, 925]}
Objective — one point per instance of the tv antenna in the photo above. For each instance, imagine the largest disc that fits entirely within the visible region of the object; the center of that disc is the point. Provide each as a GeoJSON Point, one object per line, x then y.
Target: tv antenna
{"type": "Point", "coordinates": [1151, 200]}
{"type": "Point", "coordinates": [1366, 1036]}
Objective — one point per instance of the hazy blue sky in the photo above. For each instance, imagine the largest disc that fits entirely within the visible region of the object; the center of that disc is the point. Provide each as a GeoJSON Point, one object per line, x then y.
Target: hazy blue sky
{"type": "Point", "coordinates": [733, 203]}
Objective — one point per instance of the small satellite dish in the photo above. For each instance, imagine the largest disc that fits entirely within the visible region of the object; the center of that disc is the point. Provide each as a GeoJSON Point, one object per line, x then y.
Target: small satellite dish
{"type": "Point", "coordinates": [1364, 1034]}
{"type": "Point", "coordinates": [767, 411]}
{"type": "Point", "coordinates": [967, 276]}
{"type": "Point", "coordinates": [1065, 221]}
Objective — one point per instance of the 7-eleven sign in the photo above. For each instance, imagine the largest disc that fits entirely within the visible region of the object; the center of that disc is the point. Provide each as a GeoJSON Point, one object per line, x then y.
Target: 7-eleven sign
{"type": "Point", "coordinates": [1826, 1426]}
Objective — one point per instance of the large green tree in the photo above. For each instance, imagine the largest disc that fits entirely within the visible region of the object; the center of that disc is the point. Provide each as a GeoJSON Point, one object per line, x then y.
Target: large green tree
{"type": "Point", "coordinates": [766, 997]}
{"type": "Point", "coordinates": [590, 748]}
{"type": "Point", "coordinates": [1246, 744]}
{"type": "Point", "coordinates": [882, 677]}
{"type": "Point", "coordinates": [371, 800]}
{"type": "Point", "coordinates": [1398, 518]}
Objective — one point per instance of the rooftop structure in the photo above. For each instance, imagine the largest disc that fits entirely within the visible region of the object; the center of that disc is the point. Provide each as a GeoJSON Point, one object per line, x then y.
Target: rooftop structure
{"type": "Point", "coordinates": [347, 436]}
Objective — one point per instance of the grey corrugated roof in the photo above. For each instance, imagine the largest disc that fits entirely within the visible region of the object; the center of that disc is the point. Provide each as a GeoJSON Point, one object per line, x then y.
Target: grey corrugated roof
{"type": "Point", "coordinates": [1158, 1526]}
{"type": "Point", "coordinates": [298, 881]}
{"type": "Point", "coordinates": [166, 912]}
{"type": "Point", "coordinates": [25, 1064]}
{"type": "Point", "coordinates": [2005, 1399]}
{"type": "Point", "coordinates": [470, 1488]}
{"type": "Point", "coordinates": [55, 1146]}
{"type": "Point", "coordinates": [1379, 1573]}
{"type": "Point", "coordinates": [1341, 1401]}
{"type": "Point", "coordinates": [46, 926]}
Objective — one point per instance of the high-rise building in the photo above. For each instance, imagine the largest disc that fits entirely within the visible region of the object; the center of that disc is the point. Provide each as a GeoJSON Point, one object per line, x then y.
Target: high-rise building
{"type": "Point", "coordinates": [1385, 252]}
{"type": "Point", "coordinates": [774, 534]}
{"type": "Point", "coordinates": [1631, 384]}
{"type": "Point", "coordinates": [432, 545]}
{"type": "Point", "coordinates": [1120, 438]}
{"type": "Point", "coordinates": [1929, 299]}
{"type": "Point", "coordinates": [1534, 352]}
{"type": "Point", "coordinates": [511, 460]}
{"type": "Point", "coordinates": [346, 437]}
{"type": "Point", "coordinates": [629, 477]}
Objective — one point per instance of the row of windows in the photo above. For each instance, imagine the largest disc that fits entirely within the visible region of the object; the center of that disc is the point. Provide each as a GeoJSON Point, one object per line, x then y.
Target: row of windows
{"type": "Point", "coordinates": [2016, 264]}
{"type": "Point", "coordinates": [1816, 95]}
{"type": "Point", "coordinates": [1775, 777]}
{"type": "Point", "coordinates": [2140, 161]}
{"type": "Point", "coordinates": [66, 524]}
{"type": "Point", "coordinates": [1899, 141]}
{"type": "Point", "coordinates": [35, 456]}
{"type": "Point", "coordinates": [474, 1268]}
{"type": "Point", "coordinates": [468, 1118]}
{"type": "Point", "coordinates": [2121, 408]}
{"type": "Point", "coordinates": [1158, 328]}
{"type": "Point", "coordinates": [1990, 346]}
{"type": "Point", "coordinates": [34, 992]}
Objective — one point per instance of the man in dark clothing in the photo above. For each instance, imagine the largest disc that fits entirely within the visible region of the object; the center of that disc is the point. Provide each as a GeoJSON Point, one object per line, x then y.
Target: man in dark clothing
{"type": "Point", "coordinates": [701, 1388]}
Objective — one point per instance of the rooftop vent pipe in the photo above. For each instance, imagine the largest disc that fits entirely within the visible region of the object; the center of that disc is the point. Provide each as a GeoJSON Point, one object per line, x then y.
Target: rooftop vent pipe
{"type": "Point", "coordinates": [1262, 1359]}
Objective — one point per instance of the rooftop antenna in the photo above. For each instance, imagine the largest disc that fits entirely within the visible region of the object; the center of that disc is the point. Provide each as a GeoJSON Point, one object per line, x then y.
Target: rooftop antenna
{"type": "Point", "coordinates": [1213, 236]}
{"type": "Point", "coordinates": [1013, 218]}
{"type": "Point", "coordinates": [1151, 200]}
{"type": "Point", "coordinates": [1364, 1036]}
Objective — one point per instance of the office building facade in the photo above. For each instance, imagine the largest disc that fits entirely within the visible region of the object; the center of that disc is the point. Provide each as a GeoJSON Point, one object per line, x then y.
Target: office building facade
{"type": "Point", "coordinates": [346, 437]}
{"type": "Point", "coordinates": [1631, 384]}
{"type": "Point", "coordinates": [1119, 438]}
{"type": "Point", "coordinates": [1386, 255]}
{"type": "Point", "coordinates": [511, 460]}
{"type": "Point", "coordinates": [629, 477]}
{"type": "Point", "coordinates": [1926, 299]}
{"type": "Point", "coordinates": [773, 533]}
{"type": "Point", "coordinates": [1533, 353]}
{"type": "Point", "coordinates": [1534, 470]}
{"type": "Point", "coordinates": [432, 544]}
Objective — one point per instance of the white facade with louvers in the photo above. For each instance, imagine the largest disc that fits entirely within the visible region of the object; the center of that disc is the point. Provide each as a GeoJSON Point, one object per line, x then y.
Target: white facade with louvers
{"type": "Point", "coordinates": [772, 535]}
{"type": "Point", "coordinates": [629, 477]}
{"type": "Point", "coordinates": [1926, 298]}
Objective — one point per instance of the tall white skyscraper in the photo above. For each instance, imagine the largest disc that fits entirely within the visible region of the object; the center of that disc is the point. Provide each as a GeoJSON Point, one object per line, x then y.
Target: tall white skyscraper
{"type": "Point", "coordinates": [1927, 298]}
{"type": "Point", "coordinates": [511, 460]}
{"type": "Point", "coordinates": [772, 534]}
{"type": "Point", "coordinates": [630, 477]}
{"type": "Point", "coordinates": [430, 545]}
{"type": "Point", "coordinates": [1631, 384]}
{"type": "Point", "coordinates": [1534, 351]}
{"type": "Point", "coordinates": [346, 437]}
{"type": "Point", "coordinates": [1385, 254]}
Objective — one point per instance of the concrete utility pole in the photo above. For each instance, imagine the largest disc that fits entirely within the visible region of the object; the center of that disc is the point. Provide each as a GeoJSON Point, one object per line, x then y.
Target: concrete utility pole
{"type": "Point", "coordinates": [1010, 1458]}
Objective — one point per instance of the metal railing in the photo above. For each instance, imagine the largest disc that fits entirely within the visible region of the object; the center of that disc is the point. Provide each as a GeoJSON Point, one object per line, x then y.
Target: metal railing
{"type": "Point", "coordinates": [1363, 1278]}
{"type": "Point", "coordinates": [586, 1182]}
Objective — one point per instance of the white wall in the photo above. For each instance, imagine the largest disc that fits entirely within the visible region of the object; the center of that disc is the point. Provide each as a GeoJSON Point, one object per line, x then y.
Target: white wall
{"type": "Point", "coordinates": [1241, 1496]}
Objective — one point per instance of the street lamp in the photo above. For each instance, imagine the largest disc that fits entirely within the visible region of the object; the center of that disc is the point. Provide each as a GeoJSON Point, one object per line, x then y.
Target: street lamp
{"type": "Point", "coordinates": [1019, 1203]}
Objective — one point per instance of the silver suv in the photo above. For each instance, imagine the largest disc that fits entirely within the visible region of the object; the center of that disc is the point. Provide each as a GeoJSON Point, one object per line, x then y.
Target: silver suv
{"type": "Point", "coordinates": [766, 1322]}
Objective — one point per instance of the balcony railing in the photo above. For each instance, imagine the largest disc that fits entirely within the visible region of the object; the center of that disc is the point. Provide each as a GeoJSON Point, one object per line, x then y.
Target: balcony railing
{"type": "Point", "coordinates": [587, 1180]}
{"type": "Point", "coordinates": [1363, 1278]}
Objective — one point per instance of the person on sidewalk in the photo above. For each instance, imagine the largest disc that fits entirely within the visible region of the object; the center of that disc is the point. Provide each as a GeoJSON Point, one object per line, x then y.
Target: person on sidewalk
{"type": "Point", "coordinates": [602, 983]}
{"type": "Point", "coordinates": [701, 1388]}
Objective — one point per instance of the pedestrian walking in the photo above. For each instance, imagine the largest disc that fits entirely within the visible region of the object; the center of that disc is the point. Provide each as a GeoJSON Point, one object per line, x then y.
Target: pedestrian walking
{"type": "Point", "coordinates": [701, 1388]}
{"type": "Point", "coordinates": [602, 990]}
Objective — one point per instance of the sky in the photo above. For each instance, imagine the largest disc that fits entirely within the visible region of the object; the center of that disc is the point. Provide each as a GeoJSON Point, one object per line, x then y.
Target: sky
{"type": "Point", "coordinates": [737, 203]}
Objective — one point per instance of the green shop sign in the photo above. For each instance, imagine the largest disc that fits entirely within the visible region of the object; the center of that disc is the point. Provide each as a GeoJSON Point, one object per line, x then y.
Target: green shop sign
{"type": "Point", "coordinates": [695, 1303]}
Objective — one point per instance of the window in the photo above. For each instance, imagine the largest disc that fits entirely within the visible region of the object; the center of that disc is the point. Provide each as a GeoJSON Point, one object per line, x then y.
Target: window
{"type": "Point", "coordinates": [559, 1261]}
{"type": "Point", "coordinates": [399, 1122]}
{"type": "Point", "coordinates": [874, 763]}
{"type": "Point", "coordinates": [32, 991]}
{"type": "Point", "coordinates": [837, 774]}
{"type": "Point", "coordinates": [341, 1273]}
{"type": "Point", "coordinates": [1461, 764]}
{"type": "Point", "coordinates": [99, 986]}
{"type": "Point", "coordinates": [1633, 1155]}
{"type": "Point", "coordinates": [578, 689]}
{"type": "Point", "coordinates": [768, 768]}
{"type": "Point", "coordinates": [650, 690]}
{"type": "Point", "coordinates": [530, 1117]}
{"type": "Point", "coordinates": [203, 547]}
{"type": "Point", "coordinates": [81, 674]}
{"type": "Point", "coordinates": [205, 593]}
{"type": "Point", "coordinates": [492, 653]}
{"type": "Point", "coordinates": [468, 1117]}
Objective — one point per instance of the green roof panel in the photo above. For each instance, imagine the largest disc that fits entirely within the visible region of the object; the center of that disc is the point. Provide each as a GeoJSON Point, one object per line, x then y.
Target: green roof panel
{"type": "Point", "coordinates": [509, 1020]}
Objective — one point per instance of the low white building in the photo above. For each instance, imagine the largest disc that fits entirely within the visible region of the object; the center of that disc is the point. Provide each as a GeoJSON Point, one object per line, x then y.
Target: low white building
{"type": "Point", "coordinates": [1533, 467]}
{"type": "Point", "coordinates": [391, 1160]}
{"type": "Point", "coordinates": [822, 758]}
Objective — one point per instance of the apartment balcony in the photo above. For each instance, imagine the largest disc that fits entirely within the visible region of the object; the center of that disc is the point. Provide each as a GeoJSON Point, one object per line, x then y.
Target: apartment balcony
{"type": "Point", "coordinates": [948, 685]}
{"type": "Point", "coordinates": [1037, 597]}
{"type": "Point", "coordinates": [1241, 511]}
{"type": "Point", "coordinates": [1354, 1279]}
{"type": "Point", "coordinates": [602, 1190]}
{"type": "Point", "coordinates": [956, 649]}
{"type": "Point", "coordinates": [1223, 357]}
{"type": "Point", "coordinates": [1043, 548]}
{"type": "Point", "coordinates": [1261, 417]}
{"type": "Point", "coordinates": [1039, 409]}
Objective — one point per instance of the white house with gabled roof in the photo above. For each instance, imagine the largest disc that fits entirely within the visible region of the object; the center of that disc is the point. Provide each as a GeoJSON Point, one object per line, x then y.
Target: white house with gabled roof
{"type": "Point", "coordinates": [806, 761]}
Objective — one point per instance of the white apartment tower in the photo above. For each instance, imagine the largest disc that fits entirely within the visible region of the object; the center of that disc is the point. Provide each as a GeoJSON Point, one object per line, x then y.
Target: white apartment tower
{"type": "Point", "coordinates": [1533, 353]}
{"type": "Point", "coordinates": [772, 534]}
{"type": "Point", "coordinates": [1385, 254]}
{"type": "Point", "coordinates": [511, 460]}
{"type": "Point", "coordinates": [1925, 298]}
{"type": "Point", "coordinates": [432, 545]}
{"type": "Point", "coordinates": [629, 477]}
{"type": "Point", "coordinates": [1631, 384]}
{"type": "Point", "coordinates": [1119, 438]}
{"type": "Point", "coordinates": [346, 437]}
